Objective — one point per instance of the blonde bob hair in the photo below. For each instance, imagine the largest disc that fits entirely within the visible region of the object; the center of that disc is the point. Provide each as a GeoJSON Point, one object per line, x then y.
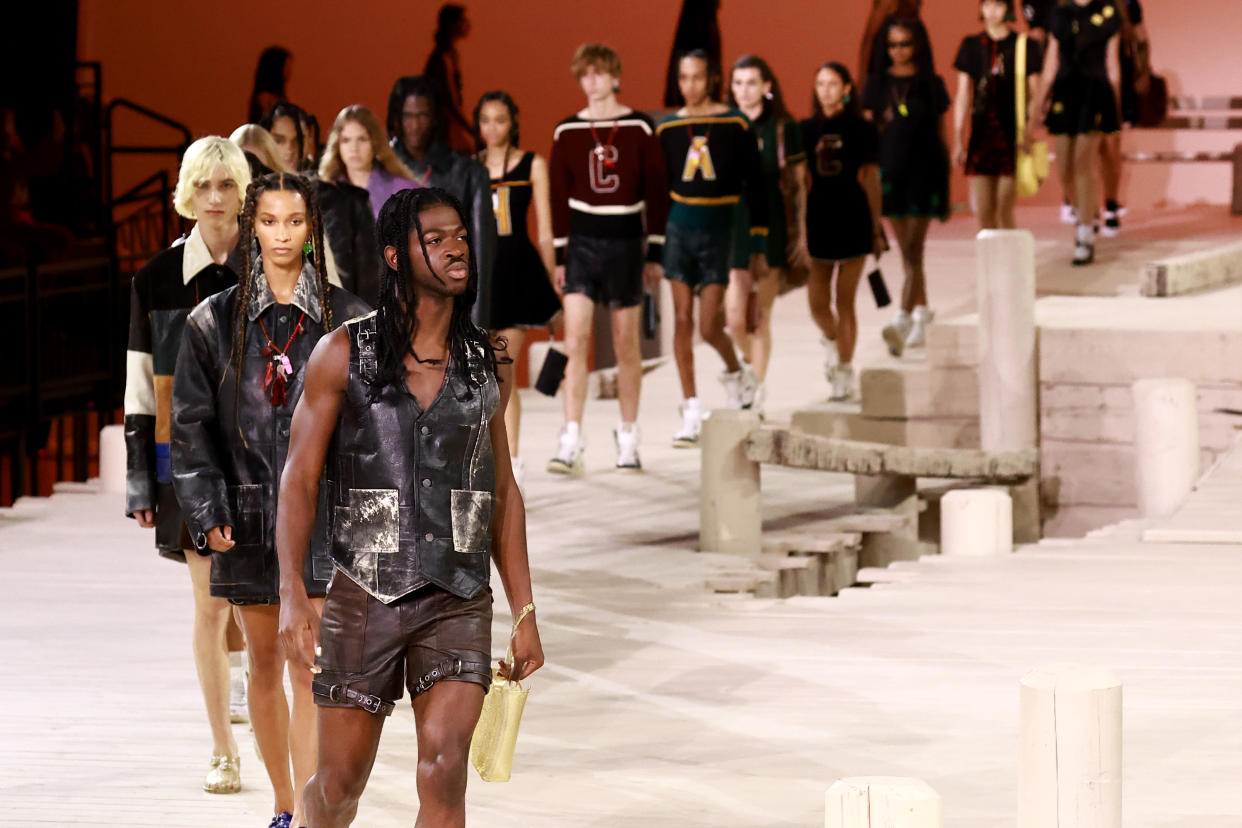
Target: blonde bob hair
{"type": "Point", "coordinates": [199, 164]}
{"type": "Point", "coordinates": [332, 167]}
{"type": "Point", "coordinates": [257, 140]}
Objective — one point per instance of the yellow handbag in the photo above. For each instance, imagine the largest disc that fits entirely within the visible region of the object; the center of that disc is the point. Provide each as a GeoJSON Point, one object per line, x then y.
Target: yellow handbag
{"type": "Point", "coordinates": [495, 735]}
{"type": "Point", "coordinates": [1030, 168]}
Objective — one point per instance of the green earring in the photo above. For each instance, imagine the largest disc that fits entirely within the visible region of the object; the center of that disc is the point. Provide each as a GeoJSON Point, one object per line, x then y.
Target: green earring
{"type": "Point", "coordinates": [307, 248]}
{"type": "Point", "coordinates": [848, 97]}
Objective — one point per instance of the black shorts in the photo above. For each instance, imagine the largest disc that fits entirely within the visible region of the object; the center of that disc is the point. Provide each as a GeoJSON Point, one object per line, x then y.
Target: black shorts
{"type": "Point", "coordinates": [698, 256]}
{"type": "Point", "coordinates": [375, 649]}
{"type": "Point", "coordinates": [606, 271]}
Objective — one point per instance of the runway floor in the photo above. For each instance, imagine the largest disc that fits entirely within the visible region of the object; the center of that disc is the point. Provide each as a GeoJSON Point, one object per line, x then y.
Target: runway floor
{"type": "Point", "coordinates": [663, 704]}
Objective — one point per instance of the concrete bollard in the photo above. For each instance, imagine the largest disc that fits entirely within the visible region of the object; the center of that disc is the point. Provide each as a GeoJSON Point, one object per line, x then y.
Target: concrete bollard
{"type": "Point", "coordinates": [882, 802]}
{"type": "Point", "coordinates": [976, 523]}
{"type": "Point", "coordinates": [112, 464]}
{"type": "Point", "coordinates": [1166, 443]}
{"type": "Point", "coordinates": [1008, 401]}
{"type": "Point", "coordinates": [1069, 770]}
{"type": "Point", "coordinates": [730, 516]}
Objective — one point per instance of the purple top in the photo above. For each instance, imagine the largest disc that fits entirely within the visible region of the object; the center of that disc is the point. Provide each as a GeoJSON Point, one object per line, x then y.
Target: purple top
{"type": "Point", "coordinates": [383, 184]}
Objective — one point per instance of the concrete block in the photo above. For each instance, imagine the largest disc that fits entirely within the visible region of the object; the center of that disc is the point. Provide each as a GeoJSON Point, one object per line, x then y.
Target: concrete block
{"type": "Point", "coordinates": [1086, 474]}
{"type": "Point", "coordinates": [1191, 272]}
{"type": "Point", "coordinates": [1007, 341]}
{"type": "Point", "coordinates": [976, 523]}
{"type": "Point", "coordinates": [954, 343]}
{"type": "Point", "coordinates": [882, 802]}
{"type": "Point", "coordinates": [1069, 769]}
{"type": "Point", "coordinates": [1105, 413]}
{"type": "Point", "coordinates": [918, 391]}
{"type": "Point", "coordinates": [1119, 357]}
{"type": "Point", "coordinates": [1166, 443]}
{"type": "Point", "coordinates": [730, 516]}
{"type": "Point", "coordinates": [949, 433]}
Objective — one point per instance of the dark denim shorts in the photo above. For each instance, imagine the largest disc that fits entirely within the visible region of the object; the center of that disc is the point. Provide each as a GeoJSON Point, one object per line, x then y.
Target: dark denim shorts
{"type": "Point", "coordinates": [698, 256]}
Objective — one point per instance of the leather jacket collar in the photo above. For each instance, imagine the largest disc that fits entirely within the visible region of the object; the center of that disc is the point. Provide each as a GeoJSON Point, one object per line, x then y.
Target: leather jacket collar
{"type": "Point", "coordinates": [305, 294]}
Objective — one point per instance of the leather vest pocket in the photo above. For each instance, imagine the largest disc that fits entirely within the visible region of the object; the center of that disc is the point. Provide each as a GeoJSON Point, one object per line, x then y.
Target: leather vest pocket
{"type": "Point", "coordinates": [246, 503]}
{"type": "Point", "coordinates": [369, 523]}
{"type": "Point", "coordinates": [472, 520]}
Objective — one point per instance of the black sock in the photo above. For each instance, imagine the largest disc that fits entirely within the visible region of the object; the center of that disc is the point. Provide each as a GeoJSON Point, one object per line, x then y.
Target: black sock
{"type": "Point", "coordinates": [1111, 205]}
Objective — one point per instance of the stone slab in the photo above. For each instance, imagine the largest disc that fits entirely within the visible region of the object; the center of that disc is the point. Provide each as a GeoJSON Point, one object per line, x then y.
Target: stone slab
{"type": "Point", "coordinates": [919, 391]}
{"type": "Point", "coordinates": [827, 420]}
{"type": "Point", "coordinates": [797, 450]}
{"type": "Point", "coordinates": [1192, 272]}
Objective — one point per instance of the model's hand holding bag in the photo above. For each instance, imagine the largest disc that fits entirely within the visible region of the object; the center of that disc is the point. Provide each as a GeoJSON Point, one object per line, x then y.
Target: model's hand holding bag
{"type": "Point", "coordinates": [1031, 166]}
{"type": "Point", "coordinates": [495, 735]}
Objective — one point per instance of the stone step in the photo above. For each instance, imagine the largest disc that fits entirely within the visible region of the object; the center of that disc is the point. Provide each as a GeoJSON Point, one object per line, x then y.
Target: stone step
{"type": "Point", "coordinates": [946, 432]}
{"type": "Point", "coordinates": [909, 391]}
{"type": "Point", "coordinates": [1191, 272]}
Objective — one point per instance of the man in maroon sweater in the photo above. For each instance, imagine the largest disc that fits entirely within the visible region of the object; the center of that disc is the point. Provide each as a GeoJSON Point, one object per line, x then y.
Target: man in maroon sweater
{"type": "Point", "coordinates": [607, 170]}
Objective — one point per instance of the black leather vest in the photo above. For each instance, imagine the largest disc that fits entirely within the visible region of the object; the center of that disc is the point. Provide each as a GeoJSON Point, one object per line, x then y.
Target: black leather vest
{"type": "Point", "coordinates": [411, 490]}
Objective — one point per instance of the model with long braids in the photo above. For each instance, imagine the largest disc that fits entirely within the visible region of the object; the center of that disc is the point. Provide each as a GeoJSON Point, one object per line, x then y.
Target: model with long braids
{"type": "Point", "coordinates": [404, 411]}
{"type": "Point", "coordinates": [239, 376]}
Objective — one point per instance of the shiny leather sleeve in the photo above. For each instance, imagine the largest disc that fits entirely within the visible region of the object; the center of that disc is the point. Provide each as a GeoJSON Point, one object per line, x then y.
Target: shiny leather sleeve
{"type": "Point", "coordinates": [483, 231]}
{"type": "Point", "coordinates": [366, 262]}
{"type": "Point", "coordinates": [139, 406]}
{"type": "Point", "coordinates": [198, 474]}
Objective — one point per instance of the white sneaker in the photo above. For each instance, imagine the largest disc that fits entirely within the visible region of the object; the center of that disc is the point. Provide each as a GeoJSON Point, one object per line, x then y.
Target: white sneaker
{"type": "Point", "coordinates": [568, 458]}
{"type": "Point", "coordinates": [747, 387]}
{"type": "Point", "coordinates": [920, 319]}
{"type": "Point", "coordinates": [842, 380]}
{"type": "Point", "coordinates": [1084, 245]}
{"type": "Point", "coordinates": [832, 357]}
{"type": "Point", "coordinates": [519, 475]}
{"type": "Point", "coordinates": [239, 710]}
{"type": "Point", "coordinates": [1068, 214]}
{"type": "Point", "coordinates": [626, 435]}
{"type": "Point", "coordinates": [895, 333]}
{"type": "Point", "coordinates": [691, 424]}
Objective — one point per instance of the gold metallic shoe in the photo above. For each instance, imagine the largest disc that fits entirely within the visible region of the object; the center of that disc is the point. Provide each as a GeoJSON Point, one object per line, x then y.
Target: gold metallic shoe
{"type": "Point", "coordinates": [224, 777]}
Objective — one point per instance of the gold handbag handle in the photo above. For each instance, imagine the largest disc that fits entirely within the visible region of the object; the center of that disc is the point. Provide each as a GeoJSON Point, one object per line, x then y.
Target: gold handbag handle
{"type": "Point", "coordinates": [525, 611]}
{"type": "Point", "coordinates": [1020, 74]}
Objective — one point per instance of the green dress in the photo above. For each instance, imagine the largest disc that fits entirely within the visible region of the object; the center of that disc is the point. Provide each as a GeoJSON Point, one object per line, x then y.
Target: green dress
{"type": "Point", "coordinates": [774, 247]}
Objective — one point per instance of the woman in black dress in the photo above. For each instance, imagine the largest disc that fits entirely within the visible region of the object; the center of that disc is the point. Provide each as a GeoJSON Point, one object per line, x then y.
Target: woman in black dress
{"type": "Point", "coordinates": [842, 221]}
{"type": "Point", "coordinates": [907, 102]}
{"type": "Point", "coordinates": [522, 293]}
{"type": "Point", "coordinates": [986, 77]}
{"type": "Point", "coordinates": [239, 377]}
{"type": "Point", "coordinates": [1080, 84]}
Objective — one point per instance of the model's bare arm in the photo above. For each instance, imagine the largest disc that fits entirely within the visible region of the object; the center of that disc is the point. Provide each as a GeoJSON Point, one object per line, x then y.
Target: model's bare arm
{"type": "Point", "coordinates": [509, 540]}
{"type": "Point", "coordinates": [314, 421]}
{"type": "Point", "coordinates": [961, 109]}
{"type": "Point", "coordinates": [541, 188]}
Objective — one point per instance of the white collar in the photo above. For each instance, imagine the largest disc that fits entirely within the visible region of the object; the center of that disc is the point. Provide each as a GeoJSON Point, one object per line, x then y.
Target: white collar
{"type": "Point", "coordinates": [196, 256]}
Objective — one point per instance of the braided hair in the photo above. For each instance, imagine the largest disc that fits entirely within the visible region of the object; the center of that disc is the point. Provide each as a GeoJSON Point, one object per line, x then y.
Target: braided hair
{"type": "Point", "coordinates": [397, 321]}
{"type": "Point", "coordinates": [252, 257]}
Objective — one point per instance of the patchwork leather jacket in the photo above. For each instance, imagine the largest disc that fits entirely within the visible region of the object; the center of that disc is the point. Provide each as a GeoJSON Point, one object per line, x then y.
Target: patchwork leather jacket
{"type": "Point", "coordinates": [229, 441]}
{"type": "Point", "coordinates": [410, 491]}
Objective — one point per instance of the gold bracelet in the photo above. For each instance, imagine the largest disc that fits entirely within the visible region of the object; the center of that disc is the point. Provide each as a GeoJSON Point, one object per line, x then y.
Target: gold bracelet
{"type": "Point", "coordinates": [526, 610]}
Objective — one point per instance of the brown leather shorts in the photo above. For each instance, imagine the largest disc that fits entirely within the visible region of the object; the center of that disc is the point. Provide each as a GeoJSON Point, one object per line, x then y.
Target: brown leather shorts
{"type": "Point", "coordinates": [370, 650]}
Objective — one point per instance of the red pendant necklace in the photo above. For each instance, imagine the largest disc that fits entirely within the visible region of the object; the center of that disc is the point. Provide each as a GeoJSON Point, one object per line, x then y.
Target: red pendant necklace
{"type": "Point", "coordinates": [279, 369]}
{"type": "Point", "coordinates": [601, 148]}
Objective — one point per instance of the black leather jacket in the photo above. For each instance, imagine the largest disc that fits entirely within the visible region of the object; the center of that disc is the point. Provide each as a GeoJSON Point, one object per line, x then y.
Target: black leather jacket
{"type": "Point", "coordinates": [468, 181]}
{"type": "Point", "coordinates": [229, 442]}
{"type": "Point", "coordinates": [349, 226]}
{"type": "Point", "coordinates": [411, 491]}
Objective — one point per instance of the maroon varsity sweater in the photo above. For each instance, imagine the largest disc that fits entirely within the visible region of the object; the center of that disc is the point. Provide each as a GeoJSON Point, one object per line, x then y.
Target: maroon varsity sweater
{"type": "Point", "coordinates": [604, 193]}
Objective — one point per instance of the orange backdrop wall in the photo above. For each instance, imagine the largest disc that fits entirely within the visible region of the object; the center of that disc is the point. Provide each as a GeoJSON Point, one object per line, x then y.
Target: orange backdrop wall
{"type": "Point", "coordinates": [195, 61]}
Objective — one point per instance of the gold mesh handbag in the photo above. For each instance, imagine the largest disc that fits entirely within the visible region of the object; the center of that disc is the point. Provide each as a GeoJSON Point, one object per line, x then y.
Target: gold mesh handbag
{"type": "Point", "coordinates": [495, 735]}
